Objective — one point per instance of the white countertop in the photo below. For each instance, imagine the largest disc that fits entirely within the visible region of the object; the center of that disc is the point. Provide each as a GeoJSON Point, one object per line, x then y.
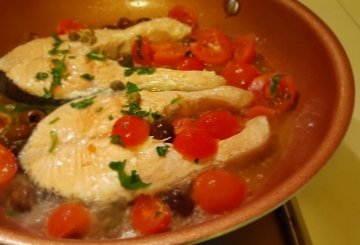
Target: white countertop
{"type": "Point", "coordinates": [330, 203]}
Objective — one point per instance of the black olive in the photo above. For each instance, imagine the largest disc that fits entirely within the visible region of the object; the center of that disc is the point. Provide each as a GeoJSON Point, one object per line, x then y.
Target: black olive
{"type": "Point", "coordinates": [162, 129]}
{"type": "Point", "coordinates": [124, 23]}
{"type": "Point", "coordinates": [125, 61]}
{"type": "Point", "coordinates": [180, 202]}
{"type": "Point", "coordinates": [23, 198]}
{"type": "Point", "coordinates": [31, 117]}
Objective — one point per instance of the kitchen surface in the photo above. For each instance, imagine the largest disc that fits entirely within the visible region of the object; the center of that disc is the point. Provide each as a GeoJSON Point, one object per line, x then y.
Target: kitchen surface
{"type": "Point", "coordinates": [326, 210]}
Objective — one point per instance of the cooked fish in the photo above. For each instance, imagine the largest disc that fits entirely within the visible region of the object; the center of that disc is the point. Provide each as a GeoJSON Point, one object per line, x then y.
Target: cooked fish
{"type": "Point", "coordinates": [63, 69]}
{"type": "Point", "coordinates": [69, 152]}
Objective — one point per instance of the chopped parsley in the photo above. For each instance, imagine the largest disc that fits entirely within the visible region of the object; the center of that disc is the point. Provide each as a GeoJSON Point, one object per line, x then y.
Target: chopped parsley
{"type": "Point", "coordinates": [87, 76]}
{"type": "Point", "coordinates": [130, 182]}
{"type": "Point", "coordinates": [96, 55]}
{"type": "Point", "coordinates": [57, 42]}
{"type": "Point", "coordinates": [175, 100]}
{"type": "Point", "coordinates": [131, 88]}
{"type": "Point", "coordinates": [140, 70]}
{"type": "Point", "coordinates": [47, 93]}
{"type": "Point", "coordinates": [162, 150]}
{"type": "Point", "coordinates": [135, 109]}
{"type": "Point", "coordinates": [54, 120]}
{"type": "Point", "coordinates": [41, 76]}
{"type": "Point", "coordinates": [57, 71]}
{"type": "Point", "coordinates": [83, 103]}
{"type": "Point", "coordinates": [274, 84]}
{"type": "Point", "coordinates": [116, 140]}
{"type": "Point", "coordinates": [54, 141]}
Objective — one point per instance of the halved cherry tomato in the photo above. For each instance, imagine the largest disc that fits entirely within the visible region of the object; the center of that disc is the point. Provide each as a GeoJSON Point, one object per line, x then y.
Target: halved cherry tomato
{"type": "Point", "coordinates": [141, 51]}
{"type": "Point", "coordinates": [184, 15]}
{"type": "Point", "coordinates": [8, 165]}
{"type": "Point", "coordinates": [182, 123]}
{"type": "Point", "coordinates": [133, 130]}
{"type": "Point", "coordinates": [169, 53]}
{"type": "Point", "coordinates": [190, 64]}
{"type": "Point", "coordinates": [275, 91]}
{"type": "Point", "coordinates": [218, 191]}
{"type": "Point", "coordinates": [150, 215]}
{"type": "Point", "coordinates": [245, 49]}
{"type": "Point", "coordinates": [69, 220]}
{"type": "Point", "coordinates": [195, 143]}
{"type": "Point", "coordinates": [212, 46]}
{"type": "Point", "coordinates": [239, 74]}
{"type": "Point", "coordinates": [219, 124]}
{"type": "Point", "coordinates": [69, 25]}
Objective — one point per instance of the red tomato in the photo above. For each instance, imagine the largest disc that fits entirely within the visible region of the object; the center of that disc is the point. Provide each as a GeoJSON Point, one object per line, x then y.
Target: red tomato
{"type": "Point", "coordinates": [8, 165]}
{"type": "Point", "coordinates": [218, 191]}
{"type": "Point", "coordinates": [184, 15]}
{"type": "Point", "coordinates": [190, 64]}
{"type": "Point", "coordinates": [133, 130]}
{"type": "Point", "coordinates": [182, 123]}
{"type": "Point", "coordinates": [195, 143]}
{"type": "Point", "coordinates": [169, 53]}
{"type": "Point", "coordinates": [239, 74]}
{"type": "Point", "coordinates": [274, 91]}
{"type": "Point", "coordinates": [70, 220]}
{"type": "Point", "coordinates": [212, 46]}
{"type": "Point", "coordinates": [141, 51]}
{"type": "Point", "coordinates": [245, 50]}
{"type": "Point", "coordinates": [69, 25]}
{"type": "Point", "coordinates": [219, 124]}
{"type": "Point", "coordinates": [150, 215]}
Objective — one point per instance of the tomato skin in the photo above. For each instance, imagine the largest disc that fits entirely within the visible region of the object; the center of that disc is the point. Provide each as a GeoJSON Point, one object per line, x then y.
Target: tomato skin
{"type": "Point", "coordinates": [69, 220]}
{"type": "Point", "coordinates": [69, 25]}
{"type": "Point", "coordinates": [169, 53]}
{"type": "Point", "coordinates": [212, 46]}
{"type": "Point", "coordinates": [259, 110]}
{"type": "Point", "coordinates": [150, 215]}
{"type": "Point", "coordinates": [133, 130]}
{"type": "Point", "coordinates": [239, 74]}
{"type": "Point", "coordinates": [195, 143]}
{"type": "Point", "coordinates": [245, 49]}
{"type": "Point", "coordinates": [8, 165]}
{"type": "Point", "coordinates": [190, 64]}
{"type": "Point", "coordinates": [218, 191]}
{"type": "Point", "coordinates": [184, 15]}
{"type": "Point", "coordinates": [141, 51]}
{"type": "Point", "coordinates": [284, 99]}
{"type": "Point", "coordinates": [219, 124]}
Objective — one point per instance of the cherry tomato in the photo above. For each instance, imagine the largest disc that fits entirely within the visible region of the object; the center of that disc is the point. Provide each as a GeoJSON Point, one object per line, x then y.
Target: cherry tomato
{"type": "Point", "coordinates": [8, 165]}
{"type": "Point", "coordinates": [239, 74]}
{"type": "Point", "coordinates": [245, 50]}
{"type": "Point", "coordinates": [182, 123]}
{"type": "Point", "coordinates": [69, 25]}
{"type": "Point", "coordinates": [169, 53]}
{"type": "Point", "coordinates": [219, 124]}
{"type": "Point", "coordinates": [150, 215]}
{"type": "Point", "coordinates": [274, 91]}
{"type": "Point", "coordinates": [69, 220]}
{"type": "Point", "coordinates": [190, 64]}
{"type": "Point", "coordinates": [195, 143]}
{"type": "Point", "coordinates": [218, 191]}
{"type": "Point", "coordinates": [212, 46]}
{"type": "Point", "coordinates": [133, 130]}
{"type": "Point", "coordinates": [184, 15]}
{"type": "Point", "coordinates": [141, 51]}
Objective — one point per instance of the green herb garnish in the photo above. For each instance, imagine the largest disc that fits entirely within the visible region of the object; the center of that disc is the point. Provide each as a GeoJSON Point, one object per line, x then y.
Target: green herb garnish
{"type": "Point", "coordinates": [57, 71]}
{"type": "Point", "coordinates": [116, 140]}
{"type": "Point", "coordinates": [130, 182]}
{"type": "Point", "coordinates": [135, 109]}
{"type": "Point", "coordinates": [175, 100]}
{"type": "Point", "coordinates": [41, 76]}
{"type": "Point", "coordinates": [57, 42]}
{"type": "Point", "coordinates": [96, 55]}
{"type": "Point", "coordinates": [131, 88]}
{"type": "Point", "coordinates": [274, 84]}
{"type": "Point", "coordinates": [83, 103]}
{"type": "Point", "coordinates": [54, 141]}
{"type": "Point", "coordinates": [54, 120]}
{"type": "Point", "coordinates": [162, 150]}
{"type": "Point", "coordinates": [87, 76]}
{"type": "Point", "coordinates": [47, 93]}
{"type": "Point", "coordinates": [139, 70]}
